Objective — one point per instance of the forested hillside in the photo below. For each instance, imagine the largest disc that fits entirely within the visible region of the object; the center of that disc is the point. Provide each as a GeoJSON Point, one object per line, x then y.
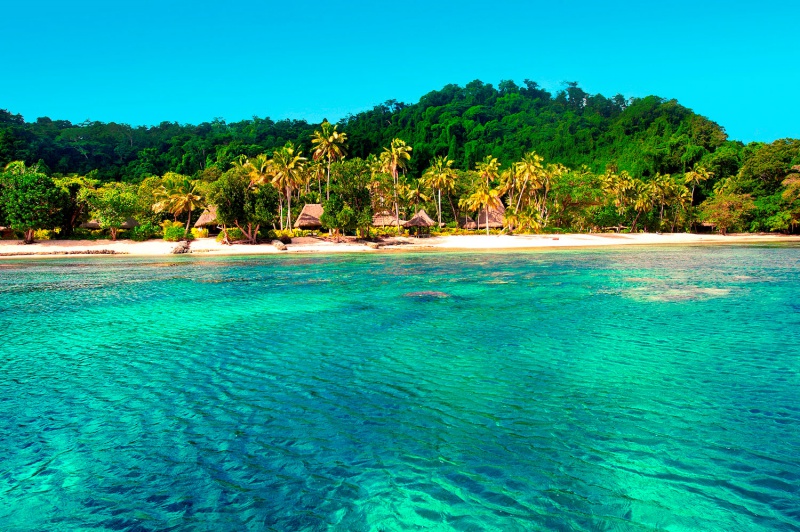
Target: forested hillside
{"type": "Point", "coordinates": [643, 136]}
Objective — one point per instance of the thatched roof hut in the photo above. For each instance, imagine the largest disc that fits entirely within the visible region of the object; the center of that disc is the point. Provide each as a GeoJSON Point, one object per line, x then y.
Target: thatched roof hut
{"type": "Point", "coordinates": [130, 223]}
{"type": "Point", "coordinates": [496, 218]}
{"type": "Point", "coordinates": [309, 217]}
{"type": "Point", "coordinates": [385, 219]}
{"type": "Point", "coordinates": [421, 219]}
{"type": "Point", "coordinates": [466, 222]}
{"type": "Point", "coordinates": [209, 217]}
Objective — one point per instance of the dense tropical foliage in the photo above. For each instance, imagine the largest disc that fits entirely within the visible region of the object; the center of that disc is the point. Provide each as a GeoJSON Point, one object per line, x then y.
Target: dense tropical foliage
{"type": "Point", "coordinates": [565, 162]}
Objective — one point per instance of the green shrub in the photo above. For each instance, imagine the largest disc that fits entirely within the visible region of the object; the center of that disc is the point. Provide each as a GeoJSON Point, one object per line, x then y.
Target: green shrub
{"type": "Point", "coordinates": [234, 233]}
{"type": "Point", "coordinates": [175, 234]}
{"type": "Point", "coordinates": [144, 231]}
{"type": "Point", "coordinates": [44, 234]}
{"type": "Point", "coordinates": [200, 232]}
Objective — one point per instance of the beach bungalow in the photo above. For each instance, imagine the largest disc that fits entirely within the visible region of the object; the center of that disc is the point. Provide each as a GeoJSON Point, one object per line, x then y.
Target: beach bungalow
{"type": "Point", "coordinates": [385, 219]}
{"type": "Point", "coordinates": [421, 223]}
{"type": "Point", "coordinates": [309, 217]}
{"type": "Point", "coordinates": [208, 218]}
{"type": "Point", "coordinates": [466, 222]}
{"type": "Point", "coordinates": [496, 218]}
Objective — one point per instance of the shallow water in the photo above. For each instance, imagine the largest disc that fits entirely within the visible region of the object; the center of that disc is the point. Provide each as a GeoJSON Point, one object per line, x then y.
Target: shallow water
{"type": "Point", "coordinates": [635, 389]}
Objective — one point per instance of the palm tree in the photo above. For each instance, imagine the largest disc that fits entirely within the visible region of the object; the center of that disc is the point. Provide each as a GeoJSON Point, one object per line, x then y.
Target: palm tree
{"type": "Point", "coordinates": [415, 193]}
{"type": "Point", "coordinates": [258, 168]}
{"type": "Point", "coordinates": [440, 176]}
{"type": "Point", "coordinates": [696, 176]}
{"type": "Point", "coordinates": [287, 171]}
{"type": "Point", "coordinates": [663, 189]}
{"type": "Point", "coordinates": [393, 159]}
{"type": "Point", "coordinates": [485, 198]}
{"type": "Point", "coordinates": [488, 168]}
{"type": "Point", "coordinates": [329, 145]}
{"type": "Point", "coordinates": [179, 194]}
{"type": "Point", "coordinates": [619, 189]}
{"type": "Point", "coordinates": [683, 202]}
{"type": "Point", "coordinates": [643, 199]}
{"type": "Point", "coordinates": [315, 172]}
{"type": "Point", "coordinates": [529, 170]}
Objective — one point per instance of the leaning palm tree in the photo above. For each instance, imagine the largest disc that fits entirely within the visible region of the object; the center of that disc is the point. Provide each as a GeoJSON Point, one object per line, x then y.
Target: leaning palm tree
{"type": "Point", "coordinates": [697, 175]}
{"type": "Point", "coordinates": [162, 195]}
{"type": "Point", "coordinates": [529, 170]}
{"type": "Point", "coordinates": [328, 145]}
{"type": "Point", "coordinates": [484, 198]}
{"type": "Point", "coordinates": [393, 159]}
{"type": "Point", "coordinates": [440, 176]}
{"type": "Point", "coordinates": [287, 171]}
{"type": "Point", "coordinates": [184, 196]}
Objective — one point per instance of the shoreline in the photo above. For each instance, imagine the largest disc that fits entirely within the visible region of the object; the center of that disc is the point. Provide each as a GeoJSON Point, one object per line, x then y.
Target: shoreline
{"type": "Point", "coordinates": [451, 243]}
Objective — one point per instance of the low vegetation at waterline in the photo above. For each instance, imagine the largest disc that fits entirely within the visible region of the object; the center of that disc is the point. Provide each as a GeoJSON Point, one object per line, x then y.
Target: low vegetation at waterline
{"type": "Point", "coordinates": [569, 162]}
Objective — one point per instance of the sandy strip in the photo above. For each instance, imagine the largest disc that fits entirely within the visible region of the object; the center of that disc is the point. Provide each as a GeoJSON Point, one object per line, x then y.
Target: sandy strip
{"type": "Point", "coordinates": [477, 242]}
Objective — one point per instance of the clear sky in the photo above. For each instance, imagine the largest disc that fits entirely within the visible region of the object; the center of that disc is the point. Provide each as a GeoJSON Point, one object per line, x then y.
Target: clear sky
{"type": "Point", "coordinates": [144, 61]}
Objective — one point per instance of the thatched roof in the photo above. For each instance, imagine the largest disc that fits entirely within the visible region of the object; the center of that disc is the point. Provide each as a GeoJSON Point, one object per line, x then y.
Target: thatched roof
{"type": "Point", "coordinates": [421, 219]}
{"type": "Point", "coordinates": [209, 217]}
{"type": "Point", "coordinates": [496, 218]}
{"type": "Point", "coordinates": [466, 222]}
{"type": "Point", "coordinates": [130, 223]}
{"type": "Point", "coordinates": [309, 217]}
{"type": "Point", "coordinates": [385, 219]}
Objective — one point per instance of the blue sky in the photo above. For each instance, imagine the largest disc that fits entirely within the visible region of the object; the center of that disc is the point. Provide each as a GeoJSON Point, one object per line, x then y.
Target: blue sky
{"type": "Point", "coordinates": [144, 61]}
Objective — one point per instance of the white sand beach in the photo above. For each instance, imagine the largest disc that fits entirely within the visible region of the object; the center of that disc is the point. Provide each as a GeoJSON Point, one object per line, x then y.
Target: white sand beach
{"type": "Point", "coordinates": [477, 242]}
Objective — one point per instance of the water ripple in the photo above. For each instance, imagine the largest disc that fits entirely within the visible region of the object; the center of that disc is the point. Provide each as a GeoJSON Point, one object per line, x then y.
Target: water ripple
{"type": "Point", "coordinates": [601, 390]}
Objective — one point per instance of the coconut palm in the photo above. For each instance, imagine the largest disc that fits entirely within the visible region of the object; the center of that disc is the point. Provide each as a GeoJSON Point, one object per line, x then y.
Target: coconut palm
{"type": "Point", "coordinates": [488, 168]}
{"type": "Point", "coordinates": [179, 194]}
{"type": "Point", "coordinates": [696, 176]}
{"type": "Point", "coordinates": [642, 199]}
{"type": "Point", "coordinates": [415, 193]}
{"type": "Point", "coordinates": [440, 176]}
{"type": "Point", "coordinates": [258, 168]}
{"type": "Point", "coordinates": [663, 190]}
{"type": "Point", "coordinates": [287, 172]}
{"type": "Point", "coordinates": [393, 159]}
{"type": "Point", "coordinates": [315, 171]}
{"type": "Point", "coordinates": [329, 145]}
{"type": "Point", "coordinates": [529, 170]}
{"type": "Point", "coordinates": [484, 198]}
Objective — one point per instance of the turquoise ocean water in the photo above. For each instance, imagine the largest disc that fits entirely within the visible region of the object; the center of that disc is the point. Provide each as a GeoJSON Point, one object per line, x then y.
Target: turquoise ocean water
{"type": "Point", "coordinates": [634, 389]}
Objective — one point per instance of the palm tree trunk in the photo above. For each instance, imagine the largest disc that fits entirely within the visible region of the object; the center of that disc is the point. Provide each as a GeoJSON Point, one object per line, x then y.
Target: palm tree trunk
{"type": "Point", "coordinates": [453, 207]}
{"type": "Point", "coordinates": [519, 198]}
{"type": "Point", "coordinates": [289, 210]}
{"type": "Point", "coordinates": [328, 185]}
{"type": "Point", "coordinates": [487, 219]}
{"type": "Point", "coordinates": [189, 221]}
{"type": "Point", "coordinates": [440, 209]}
{"type": "Point", "coordinates": [396, 202]}
{"type": "Point", "coordinates": [281, 210]}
